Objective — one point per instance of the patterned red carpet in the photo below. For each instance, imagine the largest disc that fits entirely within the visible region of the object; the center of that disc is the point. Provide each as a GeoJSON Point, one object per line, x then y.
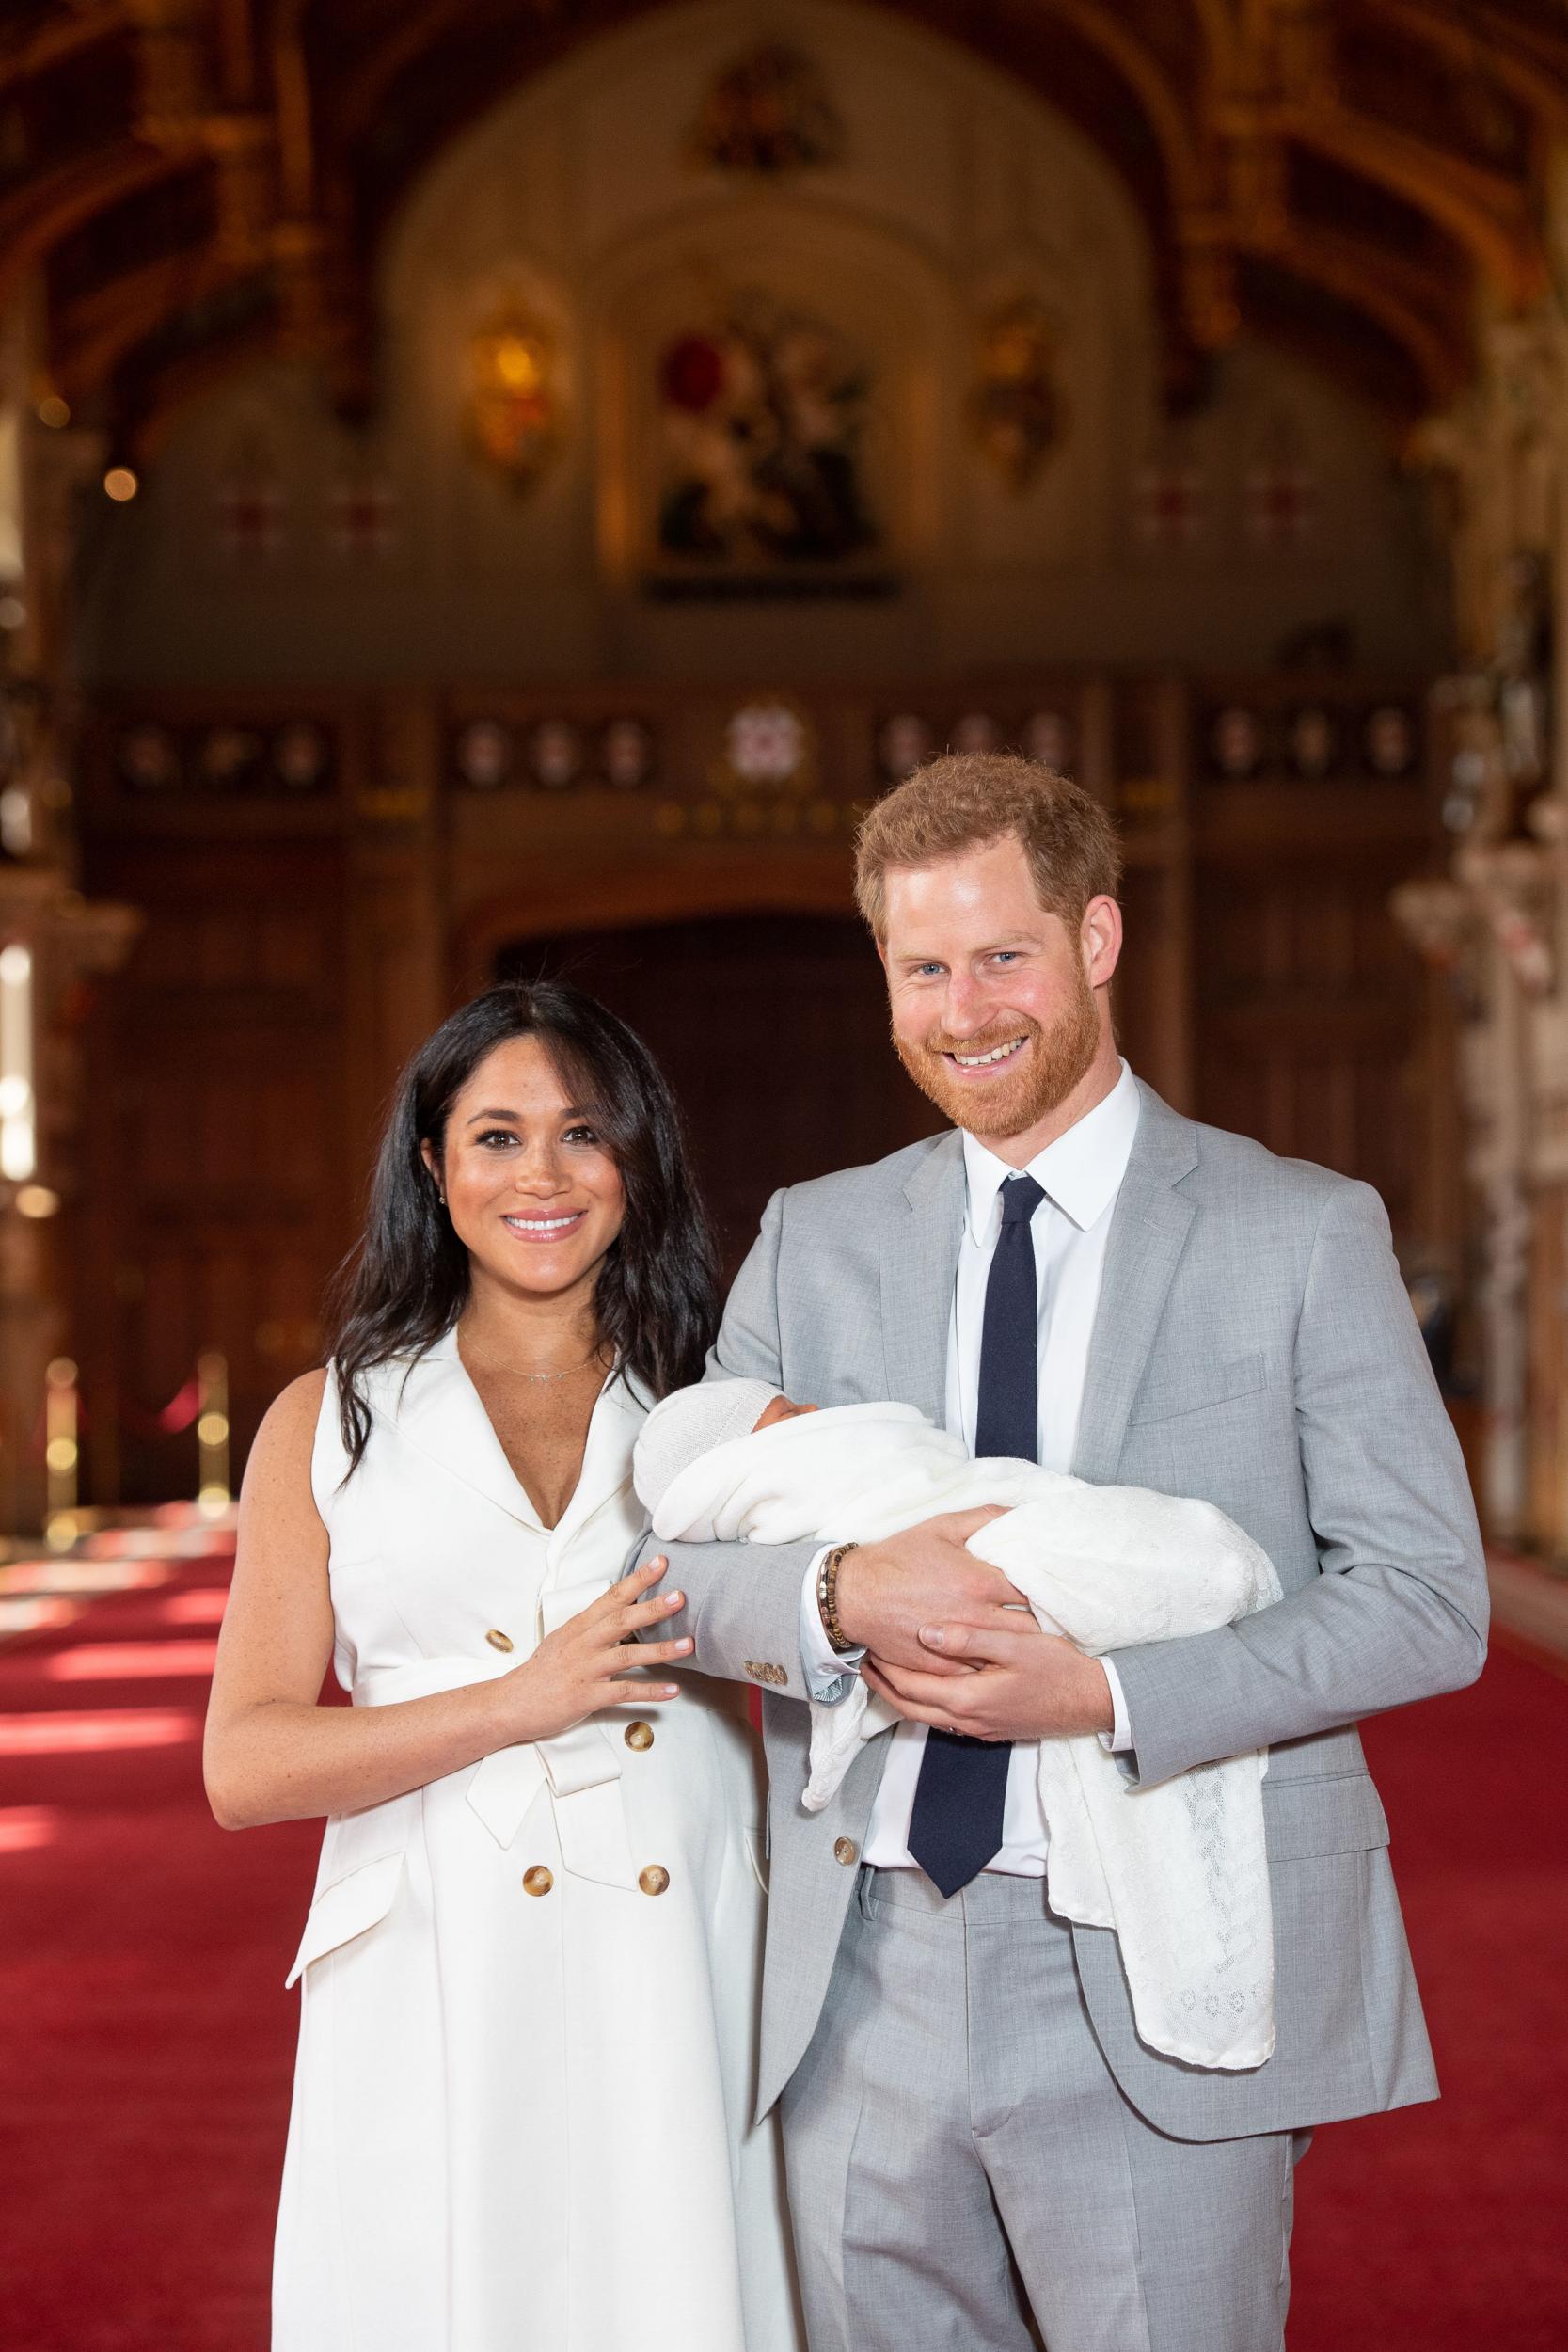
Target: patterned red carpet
{"type": "Point", "coordinates": [146, 2045]}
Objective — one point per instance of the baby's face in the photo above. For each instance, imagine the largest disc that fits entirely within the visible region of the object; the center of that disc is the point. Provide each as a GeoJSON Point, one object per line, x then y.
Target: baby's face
{"type": "Point", "coordinates": [781, 1409]}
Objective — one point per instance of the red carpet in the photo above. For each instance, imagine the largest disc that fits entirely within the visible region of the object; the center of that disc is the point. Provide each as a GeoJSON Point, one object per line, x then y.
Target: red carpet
{"type": "Point", "coordinates": [147, 2041]}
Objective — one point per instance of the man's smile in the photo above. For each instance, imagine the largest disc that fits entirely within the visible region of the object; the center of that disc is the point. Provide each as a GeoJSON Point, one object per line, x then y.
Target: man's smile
{"type": "Point", "coordinates": [993, 1060]}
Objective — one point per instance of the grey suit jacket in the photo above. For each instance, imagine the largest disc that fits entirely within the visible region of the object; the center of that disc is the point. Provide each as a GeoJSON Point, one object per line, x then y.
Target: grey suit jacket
{"type": "Point", "coordinates": [1253, 1347]}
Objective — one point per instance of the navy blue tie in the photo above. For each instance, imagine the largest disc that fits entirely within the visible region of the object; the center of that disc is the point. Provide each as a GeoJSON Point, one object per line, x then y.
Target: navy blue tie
{"type": "Point", "coordinates": [960, 1799]}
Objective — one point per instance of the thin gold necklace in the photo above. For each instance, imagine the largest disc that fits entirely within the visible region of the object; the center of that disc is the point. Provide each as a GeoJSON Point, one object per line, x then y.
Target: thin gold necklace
{"type": "Point", "coordinates": [539, 1376]}
{"type": "Point", "coordinates": [508, 1371]}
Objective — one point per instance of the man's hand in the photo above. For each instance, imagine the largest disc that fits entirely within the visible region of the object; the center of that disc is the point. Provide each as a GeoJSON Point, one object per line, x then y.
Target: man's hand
{"type": "Point", "coordinates": [1012, 1682]}
{"type": "Point", "coordinates": [888, 1591]}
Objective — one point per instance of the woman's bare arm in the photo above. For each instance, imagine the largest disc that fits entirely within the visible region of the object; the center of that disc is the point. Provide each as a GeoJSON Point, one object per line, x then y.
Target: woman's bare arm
{"type": "Point", "coordinates": [274, 1754]}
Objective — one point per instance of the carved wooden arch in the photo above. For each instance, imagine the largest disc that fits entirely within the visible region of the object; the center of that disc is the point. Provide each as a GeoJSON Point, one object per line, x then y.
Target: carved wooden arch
{"type": "Point", "coordinates": [1143, 115]}
{"type": "Point", "coordinates": [423, 31]}
{"type": "Point", "coordinates": [669, 886]}
{"type": "Point", "coordinates": [1324, 261]}
{"type": "Point", "coordinates": [1195, 103]}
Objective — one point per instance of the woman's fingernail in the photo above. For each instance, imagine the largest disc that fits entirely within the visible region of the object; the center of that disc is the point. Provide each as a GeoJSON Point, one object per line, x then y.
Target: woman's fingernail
{"type": "Point", "coordinates": [685, 1644]}
{"type": "Point", "coordinates": [933, 1636]}
{"type": "Point", "coordinates": [675, 1600]}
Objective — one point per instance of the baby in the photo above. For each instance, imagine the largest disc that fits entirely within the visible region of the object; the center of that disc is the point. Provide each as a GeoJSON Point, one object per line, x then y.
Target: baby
{"type": "Point", "coordinates": [1179, 1871]}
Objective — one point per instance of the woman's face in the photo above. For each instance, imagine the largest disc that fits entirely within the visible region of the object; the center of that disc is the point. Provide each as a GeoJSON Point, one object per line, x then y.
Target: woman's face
{"type": "Point", "coordinates": [532, 1190]}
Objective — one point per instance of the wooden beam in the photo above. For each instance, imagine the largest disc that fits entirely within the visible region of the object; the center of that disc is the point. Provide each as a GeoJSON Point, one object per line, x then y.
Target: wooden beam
{"type": "Point", "coordinates": [55, 43]}
{"type": "Point", "coordinates": [44, 209]}
{"type": "Point", "coordinates": [1460, 41]}
{"type": "Point", "coordinates": [1487, 211]}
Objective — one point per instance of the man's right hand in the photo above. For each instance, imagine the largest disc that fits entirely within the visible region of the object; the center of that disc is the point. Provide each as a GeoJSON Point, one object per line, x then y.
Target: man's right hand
{"type": "Point", "coordinates": [888, 1591]}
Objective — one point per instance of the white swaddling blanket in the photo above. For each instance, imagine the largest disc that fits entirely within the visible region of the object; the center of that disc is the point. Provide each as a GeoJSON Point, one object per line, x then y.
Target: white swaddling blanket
{"type": "Point", "coordinates": [1179, 1871]}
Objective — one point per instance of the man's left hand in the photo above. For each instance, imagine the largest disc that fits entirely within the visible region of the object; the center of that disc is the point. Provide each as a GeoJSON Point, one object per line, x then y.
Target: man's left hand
{"type": "Point", "coordinates": [1026, 1685]}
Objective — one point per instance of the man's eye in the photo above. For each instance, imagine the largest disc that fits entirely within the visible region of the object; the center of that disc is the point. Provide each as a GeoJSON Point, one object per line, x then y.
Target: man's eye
{"type": "Point", "coordinates": [1005, 955]}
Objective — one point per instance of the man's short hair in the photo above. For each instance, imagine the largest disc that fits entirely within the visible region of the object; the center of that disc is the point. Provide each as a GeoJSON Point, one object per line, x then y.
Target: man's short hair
{"type": "Point", "coordinates": [968, 800]}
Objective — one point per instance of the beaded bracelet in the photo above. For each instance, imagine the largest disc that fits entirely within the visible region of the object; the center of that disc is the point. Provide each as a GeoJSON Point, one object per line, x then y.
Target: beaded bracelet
{"type": "Point", "coordinates": [827, 1596]}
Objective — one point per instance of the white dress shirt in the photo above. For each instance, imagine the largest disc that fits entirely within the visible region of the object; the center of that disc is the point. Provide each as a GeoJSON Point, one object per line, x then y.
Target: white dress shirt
{"type": "Point", "coordinates": [1081, 1174]}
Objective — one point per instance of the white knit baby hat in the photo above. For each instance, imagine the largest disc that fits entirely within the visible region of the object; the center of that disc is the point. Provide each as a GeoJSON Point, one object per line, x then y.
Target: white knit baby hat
{"type": "Point", "coordinates": [690, 1422]}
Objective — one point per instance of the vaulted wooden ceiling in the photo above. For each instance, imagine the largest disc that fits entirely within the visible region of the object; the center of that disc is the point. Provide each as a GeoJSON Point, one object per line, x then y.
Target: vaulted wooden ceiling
{"type": "Point", "coordinates": [191, 181]}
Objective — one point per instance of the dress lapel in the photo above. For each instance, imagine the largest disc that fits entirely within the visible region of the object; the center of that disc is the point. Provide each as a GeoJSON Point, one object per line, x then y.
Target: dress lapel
{"type": "Point", "coordinates": [919, 1263]}
{"type": "Point", "coordinates": [619, 1413]}
{"type": "Point", "coordinates": [1149, 1232]}
{"type": "Point", "coordinates": [435, 1407]}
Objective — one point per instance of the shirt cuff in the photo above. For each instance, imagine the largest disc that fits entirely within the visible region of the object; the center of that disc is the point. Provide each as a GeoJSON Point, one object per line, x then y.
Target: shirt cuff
{"type": "Point", "coordinates": [828, 1671]}
{"type": "Point", "coordinates": [1118, 1740]}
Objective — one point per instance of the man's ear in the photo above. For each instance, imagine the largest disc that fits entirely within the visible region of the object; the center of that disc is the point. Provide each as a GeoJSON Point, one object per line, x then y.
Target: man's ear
{"type": "Point", "coordinates": [1100, 938]}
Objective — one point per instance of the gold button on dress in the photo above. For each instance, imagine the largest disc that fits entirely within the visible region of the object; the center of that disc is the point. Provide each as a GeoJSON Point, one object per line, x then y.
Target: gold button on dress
{"type": "Point", "coordinates": [640, 1734]}
{"type": "Point", "coordinates": [497, 1639]}
{"type": "Point", "coordinates": [654, 1880]}
{"type": "Point", "coordinates": [538, 1881]}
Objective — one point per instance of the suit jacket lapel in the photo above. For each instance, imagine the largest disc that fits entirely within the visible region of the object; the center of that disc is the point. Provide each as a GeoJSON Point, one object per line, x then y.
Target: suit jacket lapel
{"type": "Point", "coordinates": [919, 1263]}
{"type": "Point", "coordinates": [1149, 1231]}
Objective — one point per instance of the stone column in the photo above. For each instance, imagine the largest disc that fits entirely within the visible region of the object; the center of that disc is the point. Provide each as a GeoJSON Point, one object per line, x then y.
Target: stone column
{"type": "Point", "coordinates": [1498, 922]}
{"type": "Point", "coordinates": [53, 944]}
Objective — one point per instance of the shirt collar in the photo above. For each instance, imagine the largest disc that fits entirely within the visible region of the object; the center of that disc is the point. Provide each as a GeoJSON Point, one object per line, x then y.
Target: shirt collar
{"type": "Point", "coordinates": [1082, 1171]}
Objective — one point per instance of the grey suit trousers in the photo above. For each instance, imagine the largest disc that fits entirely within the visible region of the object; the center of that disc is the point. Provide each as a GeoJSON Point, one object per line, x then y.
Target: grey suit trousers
{"type": "Point", "coordinates": [960, 2154]}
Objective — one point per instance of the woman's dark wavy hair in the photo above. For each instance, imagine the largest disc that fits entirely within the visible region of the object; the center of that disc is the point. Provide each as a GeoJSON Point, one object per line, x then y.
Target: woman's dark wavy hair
{"type": "Point", "coordinates": [406, 1282]}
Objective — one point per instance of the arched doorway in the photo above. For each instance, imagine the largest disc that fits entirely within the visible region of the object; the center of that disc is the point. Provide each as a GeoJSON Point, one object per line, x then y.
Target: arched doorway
{"type": "Point", "coordinates": [773, 1029]}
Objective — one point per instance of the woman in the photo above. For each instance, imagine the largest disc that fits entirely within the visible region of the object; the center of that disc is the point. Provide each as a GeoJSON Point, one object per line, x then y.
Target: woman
{"type": "Point", "coordinates": [522, 2102]}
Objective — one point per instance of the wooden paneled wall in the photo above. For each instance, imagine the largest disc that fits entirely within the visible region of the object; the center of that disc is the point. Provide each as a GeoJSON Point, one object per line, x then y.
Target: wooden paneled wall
{"type": "Point", "coordinates": [320, 880]}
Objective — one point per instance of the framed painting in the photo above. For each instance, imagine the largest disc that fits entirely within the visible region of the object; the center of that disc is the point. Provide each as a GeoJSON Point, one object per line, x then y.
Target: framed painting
{"type": "Point", "coordinates": [762, 413]}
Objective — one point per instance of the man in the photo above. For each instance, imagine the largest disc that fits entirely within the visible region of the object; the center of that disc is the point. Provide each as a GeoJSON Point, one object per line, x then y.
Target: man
{"type": "Point", "coordinates": [978, 2144]}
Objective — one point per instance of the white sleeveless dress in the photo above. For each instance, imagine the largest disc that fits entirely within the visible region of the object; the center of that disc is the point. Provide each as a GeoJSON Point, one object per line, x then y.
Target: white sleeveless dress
{"type": "Point", "coordinates": [523, 2095]}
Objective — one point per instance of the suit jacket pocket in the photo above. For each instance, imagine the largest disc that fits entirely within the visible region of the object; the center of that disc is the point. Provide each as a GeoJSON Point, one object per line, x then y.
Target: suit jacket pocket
{"type": "Point", "coordinates": [1340, 1814]}
{"type": "Point", "coordinates": [1171, 1395]}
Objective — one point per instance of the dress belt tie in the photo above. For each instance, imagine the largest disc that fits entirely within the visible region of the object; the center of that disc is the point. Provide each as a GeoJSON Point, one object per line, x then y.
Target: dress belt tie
{"type": "Point", "coordinates": [580, 1768]}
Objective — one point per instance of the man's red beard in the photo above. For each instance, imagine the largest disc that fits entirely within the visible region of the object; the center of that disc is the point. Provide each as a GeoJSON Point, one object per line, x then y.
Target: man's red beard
{"type": "Point", "coordinates": [1023, 1091]}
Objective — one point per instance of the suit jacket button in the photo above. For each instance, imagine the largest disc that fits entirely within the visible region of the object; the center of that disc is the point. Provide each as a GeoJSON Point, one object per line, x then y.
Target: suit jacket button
{"type": "Point", "coordinates": [654, 1880]}
{"type": "Point", "coordinates": [640, 1734]}
{"type": "Point", "coordinates": [538, 1881]}
{"type": "Point", "coordinates": [845, 1850]}
{"type": "Point", "coordinates": [497, 1639]}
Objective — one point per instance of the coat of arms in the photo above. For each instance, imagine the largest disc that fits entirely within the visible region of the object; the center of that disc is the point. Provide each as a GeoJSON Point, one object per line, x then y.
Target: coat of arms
{"type": "Point", "coordinates": [768, 113]}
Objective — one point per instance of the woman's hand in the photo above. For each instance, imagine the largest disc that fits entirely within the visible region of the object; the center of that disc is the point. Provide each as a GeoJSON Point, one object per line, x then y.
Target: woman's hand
{"type": "Point", "coordinates": [578, 1669]}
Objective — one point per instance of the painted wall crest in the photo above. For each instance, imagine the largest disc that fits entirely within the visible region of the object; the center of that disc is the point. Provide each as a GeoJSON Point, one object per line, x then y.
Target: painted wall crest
{"type": "Point", "coordinates": [768, 113]}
